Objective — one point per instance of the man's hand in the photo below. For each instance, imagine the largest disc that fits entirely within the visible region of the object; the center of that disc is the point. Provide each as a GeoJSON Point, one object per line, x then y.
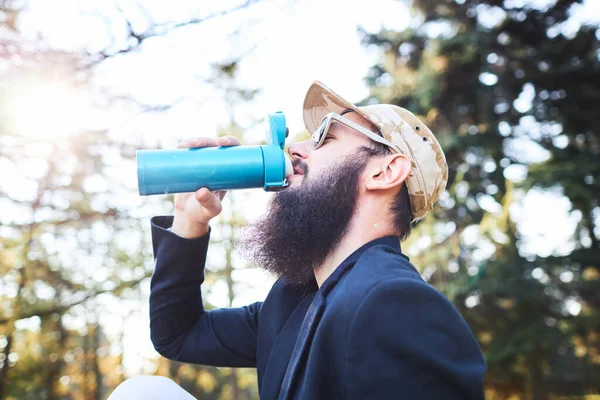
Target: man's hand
{"type": "Point", "coordinates": [193, 211]}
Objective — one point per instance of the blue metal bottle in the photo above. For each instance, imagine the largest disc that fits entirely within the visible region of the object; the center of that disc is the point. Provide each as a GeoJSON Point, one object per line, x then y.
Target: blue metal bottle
{"type": "Point", "coordinates": [218, 168]}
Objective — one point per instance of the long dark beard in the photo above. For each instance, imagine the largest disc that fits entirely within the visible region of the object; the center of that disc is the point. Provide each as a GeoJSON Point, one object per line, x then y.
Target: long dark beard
{"type": "Point", "coordinates": [304, 224]}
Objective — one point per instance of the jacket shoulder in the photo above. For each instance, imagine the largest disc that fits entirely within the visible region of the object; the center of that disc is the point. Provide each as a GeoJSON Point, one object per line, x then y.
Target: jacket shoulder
{"type": "Point", "coordinates": [377, 265]}
{"type": "Point", "coordinates": [381, 264]}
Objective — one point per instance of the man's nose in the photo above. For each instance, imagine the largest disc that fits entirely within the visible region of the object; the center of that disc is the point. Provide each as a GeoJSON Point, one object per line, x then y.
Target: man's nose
{"type": "Point", "coordinates": [300, 149]}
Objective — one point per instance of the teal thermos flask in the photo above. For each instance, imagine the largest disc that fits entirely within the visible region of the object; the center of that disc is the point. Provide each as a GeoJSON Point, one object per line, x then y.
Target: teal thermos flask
{"type": "Point", "coordinates": [218, 168]}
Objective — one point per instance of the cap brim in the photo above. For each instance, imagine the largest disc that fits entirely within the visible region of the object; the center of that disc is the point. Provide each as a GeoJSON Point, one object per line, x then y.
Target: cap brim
{"type": "Point", "coordinates": [320, 101]}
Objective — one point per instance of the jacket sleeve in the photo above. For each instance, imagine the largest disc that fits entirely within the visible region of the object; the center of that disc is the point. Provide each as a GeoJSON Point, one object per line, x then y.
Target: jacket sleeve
{"type": "Point", "coordinates": [180, 328]}
{"type": "Point", "coordinates": [408, 341]}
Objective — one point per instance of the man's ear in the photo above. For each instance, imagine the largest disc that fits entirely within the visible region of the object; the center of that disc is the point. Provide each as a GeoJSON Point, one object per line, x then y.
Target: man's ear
{"type": "Point", "coordinates": [388, 172]}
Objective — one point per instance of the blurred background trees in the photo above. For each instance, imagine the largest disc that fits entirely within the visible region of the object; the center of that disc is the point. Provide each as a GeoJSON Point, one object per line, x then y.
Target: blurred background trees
{"type": "Point", "coordinates": [512, 90]}
{"type": "Point", "coordinates": [75, 255]}
{"type": "Point", "coordinates": [510, 87]}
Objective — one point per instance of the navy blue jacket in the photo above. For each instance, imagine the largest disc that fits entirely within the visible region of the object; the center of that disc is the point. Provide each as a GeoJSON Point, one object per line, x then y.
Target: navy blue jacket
{"type": "Point", "coordinates": [374, 330]}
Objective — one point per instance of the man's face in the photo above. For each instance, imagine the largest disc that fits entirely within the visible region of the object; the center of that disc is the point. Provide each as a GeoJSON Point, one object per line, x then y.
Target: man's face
{"type": "Point", "coordinates": [308, 220]}
{"type": "Point", "coordinates": [340, 142]}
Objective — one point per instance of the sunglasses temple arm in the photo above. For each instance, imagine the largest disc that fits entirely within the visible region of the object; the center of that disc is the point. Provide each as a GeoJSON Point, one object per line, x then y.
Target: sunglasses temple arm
{"type": "Point", "coordinates": [372, 135]}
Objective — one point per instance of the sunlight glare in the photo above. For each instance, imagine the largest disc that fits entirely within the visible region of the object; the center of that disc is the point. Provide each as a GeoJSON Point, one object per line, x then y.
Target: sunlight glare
{"type": "Point", "coordinates": [49, 111]}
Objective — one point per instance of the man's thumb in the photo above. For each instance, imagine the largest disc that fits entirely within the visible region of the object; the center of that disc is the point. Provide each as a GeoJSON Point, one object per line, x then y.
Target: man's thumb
{"type": "Point", "coordinates": [208, 201]}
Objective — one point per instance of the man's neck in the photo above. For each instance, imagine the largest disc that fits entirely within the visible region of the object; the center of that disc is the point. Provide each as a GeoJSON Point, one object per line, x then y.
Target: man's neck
{"type": "Point", "coordinates": [355, 238]}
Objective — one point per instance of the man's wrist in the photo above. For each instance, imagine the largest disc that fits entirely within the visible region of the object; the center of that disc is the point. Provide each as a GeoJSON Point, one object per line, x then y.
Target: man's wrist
{"type": "Point", "coordinates": [187, 229]}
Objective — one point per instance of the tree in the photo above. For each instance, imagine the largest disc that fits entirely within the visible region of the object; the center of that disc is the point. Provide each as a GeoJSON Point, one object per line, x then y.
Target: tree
{"type": "Point", "coordinates": [491, 77]}
{"type": "Point", "coordinates": [73, 239]}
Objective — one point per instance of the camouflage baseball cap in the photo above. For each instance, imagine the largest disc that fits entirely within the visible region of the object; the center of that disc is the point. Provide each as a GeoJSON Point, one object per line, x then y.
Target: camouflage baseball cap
{"type": "Point", "coordinates": [429, 174]}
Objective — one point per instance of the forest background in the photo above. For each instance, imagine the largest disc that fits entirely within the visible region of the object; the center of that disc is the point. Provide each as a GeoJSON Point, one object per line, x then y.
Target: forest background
{"type": "Point", "coordinates": [510, 87]}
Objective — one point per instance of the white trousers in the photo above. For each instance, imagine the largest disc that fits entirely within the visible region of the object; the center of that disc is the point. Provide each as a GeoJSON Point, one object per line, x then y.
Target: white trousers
{"type": "Point", "coordinates": [148, 387]}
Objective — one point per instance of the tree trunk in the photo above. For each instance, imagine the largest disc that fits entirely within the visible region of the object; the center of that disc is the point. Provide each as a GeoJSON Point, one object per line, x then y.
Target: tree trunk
{"type": "Point", "coordinates": [96, 365]}
{"type": "Point", "coordinates": [233, 378]}
{"type": "Point", "coordinates": [55, 369]}
{"type": "Point", "coordinates": [233, 381]}
{"type": "Point", "coordinates": [10, 327]}
{"type": "Point", "coordinates": [5, 367]}
{"type": "Point", "coordinates": [537, 387]}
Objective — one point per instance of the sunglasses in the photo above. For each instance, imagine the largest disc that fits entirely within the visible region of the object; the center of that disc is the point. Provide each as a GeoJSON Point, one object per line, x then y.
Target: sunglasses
{"type": "Point", "coordinates": [318, 136]}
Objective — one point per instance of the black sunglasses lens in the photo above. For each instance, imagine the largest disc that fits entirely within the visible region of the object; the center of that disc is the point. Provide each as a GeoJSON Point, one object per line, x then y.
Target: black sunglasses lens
{"type": "Point", "coordinates": [318, 135]}
{"type": "Point", "coordinates": [322, 128]}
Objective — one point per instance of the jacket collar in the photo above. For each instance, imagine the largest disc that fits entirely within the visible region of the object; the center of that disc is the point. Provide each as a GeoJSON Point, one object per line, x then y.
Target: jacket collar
{"type": "Point", "coordinates": [312, 287]}
{"type": "Point", "coordinates": [336, 275]}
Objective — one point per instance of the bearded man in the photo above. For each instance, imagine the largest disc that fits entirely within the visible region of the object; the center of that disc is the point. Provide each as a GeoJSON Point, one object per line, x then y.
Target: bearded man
{"type": "Point", "coordinates": [349, 317]}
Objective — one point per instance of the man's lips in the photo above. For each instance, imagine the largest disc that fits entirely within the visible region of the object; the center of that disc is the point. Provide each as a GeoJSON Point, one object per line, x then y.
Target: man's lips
{"type": "Point", "coordinates": [299, 167]}
{"type": "Point", "coordinates": [298, 170]}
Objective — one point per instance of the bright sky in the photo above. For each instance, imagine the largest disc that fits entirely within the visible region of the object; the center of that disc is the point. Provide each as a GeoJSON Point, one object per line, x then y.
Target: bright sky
{"type": "Point", "coordinates": [296, 44]}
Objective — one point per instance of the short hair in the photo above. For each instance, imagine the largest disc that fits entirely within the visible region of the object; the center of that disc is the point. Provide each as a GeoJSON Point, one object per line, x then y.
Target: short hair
{"type": "Point", "coordinates": [400, 208]}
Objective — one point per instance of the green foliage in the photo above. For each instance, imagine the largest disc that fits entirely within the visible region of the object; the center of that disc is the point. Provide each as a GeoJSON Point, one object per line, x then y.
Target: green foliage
{"type": "Point", "coordinates": [74, 243]}
{"type": "Point", "coordinates": [502, 75]}
{"type": "Point", "coordinates": [63, 245]}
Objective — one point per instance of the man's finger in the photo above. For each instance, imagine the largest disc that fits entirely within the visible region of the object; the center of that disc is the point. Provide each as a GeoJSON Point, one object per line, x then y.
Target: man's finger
{"type": "Point", "coordinates": [210, 202]}
{"type": "Point", "coordinates": [228, 141]}
{"type": "Point", "coordinates": [220, 194]}
{"type": "Point", "coordinates": [192, 143]}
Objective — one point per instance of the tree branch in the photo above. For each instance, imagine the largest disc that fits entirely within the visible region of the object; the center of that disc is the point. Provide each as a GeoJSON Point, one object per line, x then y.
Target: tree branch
{"type": "Point", "coordinates": [160, 30]}
{"type": "Point", "coordinates": [63, 308]}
